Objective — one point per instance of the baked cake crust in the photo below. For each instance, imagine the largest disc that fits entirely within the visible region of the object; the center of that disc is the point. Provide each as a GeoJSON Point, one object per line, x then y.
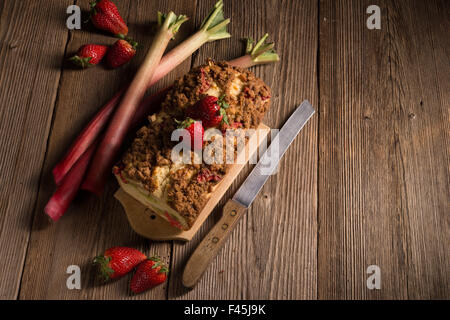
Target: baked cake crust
{"type": "Point", "coordinates": [185, 188]}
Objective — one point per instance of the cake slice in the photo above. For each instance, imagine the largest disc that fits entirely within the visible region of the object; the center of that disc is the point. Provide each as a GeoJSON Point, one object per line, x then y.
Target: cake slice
{"type": "Point", "coordinates": [174, 190]}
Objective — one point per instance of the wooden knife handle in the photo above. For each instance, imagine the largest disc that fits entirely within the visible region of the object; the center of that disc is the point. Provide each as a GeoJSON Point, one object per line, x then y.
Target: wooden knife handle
{"type": "Point", "coordinates": [212, 243]}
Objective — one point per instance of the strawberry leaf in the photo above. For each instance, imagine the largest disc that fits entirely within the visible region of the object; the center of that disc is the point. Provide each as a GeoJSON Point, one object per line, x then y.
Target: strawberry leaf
{"type": "Point", "coordinates": [224, 114]}
{"type": "Point", "coordinates": [184, 124]}
{"type": "Point", "coordinates": [164, 270]}
{"type": "Point", "coordinates": [105, 270]}
{"type": "Point", "coordinates": [222, 102]}
{"type": "Point", "coordinates": [223, 105]}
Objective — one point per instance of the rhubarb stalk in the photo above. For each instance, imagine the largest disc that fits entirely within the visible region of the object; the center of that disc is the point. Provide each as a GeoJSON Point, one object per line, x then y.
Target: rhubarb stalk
{"type": "Point", "coordinates": [261, 53]}
{"type": "Point", "coordinates": [110, 145]}
{"type": "Point", "coordinates": [212, 28]}
{"type": "Point", "coordinates": [85, 139]}
{"type": "Point", "coordinates": [61, 199]}
{"type": "Point", "coordinates": [68, 188]}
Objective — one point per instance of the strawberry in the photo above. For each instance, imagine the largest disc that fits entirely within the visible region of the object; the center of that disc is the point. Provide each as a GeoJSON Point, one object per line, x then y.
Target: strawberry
{"type": "Point", "coordinates": [210, 110]}
{"type": "Point", "coordinates": [89, 55]}
{"type": "Point", "coordinates": [120, 53]}
{"type": "Point", "coordinates": [149, 274]}
{"type": "Point", "coordinates": [205, 85]}
{"type": "Point", "coordinates": [231, 126]}
{"type": "Point", "coordinates": [106, 16]}
{"type": "Point", "coordinates": [195, 129]}
{"type": "Point", "coordinates": [118, 261]}
{"type": "Point", "coordinates": [205, 175]}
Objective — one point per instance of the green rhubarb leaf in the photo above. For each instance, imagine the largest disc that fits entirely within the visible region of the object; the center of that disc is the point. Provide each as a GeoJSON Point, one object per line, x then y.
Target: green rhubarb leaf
{"type": "Point", "coordinates": [261, 52]}
{"type": "Point", "coordinates": [249, 46]}
{"type": "Point", "coordinates": [215, 24]}
{"type": "Point", "coordinates": [171, 21]}
{"type": "Point", "coordinates": [161, 18]}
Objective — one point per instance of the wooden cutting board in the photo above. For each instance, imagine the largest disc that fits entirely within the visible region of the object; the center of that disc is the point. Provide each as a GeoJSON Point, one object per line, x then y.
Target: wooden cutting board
{"type": "Point", "coordinates": [150, 225]}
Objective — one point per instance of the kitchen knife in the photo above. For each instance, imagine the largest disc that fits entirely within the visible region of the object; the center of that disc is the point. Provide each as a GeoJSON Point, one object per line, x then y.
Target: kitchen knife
{"type": "Point", "coordinates": [235, 208]}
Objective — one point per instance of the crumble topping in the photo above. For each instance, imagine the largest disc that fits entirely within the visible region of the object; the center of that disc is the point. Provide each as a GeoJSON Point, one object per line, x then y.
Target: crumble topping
{"type": "Point", "coordinates": [186, 188]}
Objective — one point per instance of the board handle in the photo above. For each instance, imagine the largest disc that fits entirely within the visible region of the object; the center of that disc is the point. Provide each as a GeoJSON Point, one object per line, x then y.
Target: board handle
{"type": "Point", "coordinates": [212, 243]}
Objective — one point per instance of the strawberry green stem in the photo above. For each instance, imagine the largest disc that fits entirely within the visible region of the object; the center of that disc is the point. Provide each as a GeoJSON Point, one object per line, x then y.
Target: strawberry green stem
{"type": "Point", "coordinates": [105, 269]}
{"type": "Point", "coordinates": [80, 61]}
{"type": "Point", "coordinates": [110, 145]}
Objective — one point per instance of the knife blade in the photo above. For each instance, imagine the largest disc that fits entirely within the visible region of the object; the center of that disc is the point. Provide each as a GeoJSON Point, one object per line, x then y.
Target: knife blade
{"type": "Point", "coordinates": [235, 208]}
{"type": "Point", "coordinates": [259, 175]}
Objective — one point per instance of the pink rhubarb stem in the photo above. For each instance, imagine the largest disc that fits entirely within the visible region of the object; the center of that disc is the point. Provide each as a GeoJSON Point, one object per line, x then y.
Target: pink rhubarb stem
{"type": "Point", "coordinates": [110, 145]}
{"type": "Point", "coordinates": [67, 190]}
{"type": "Point", "coordinates": [212, 28]}
{"type": "Point", "coordinates": [86, 138]}
{"type": "Point", "coordinates": [242, 62]}
{"type": "Point", "coordinates": [259, 53]}
{"type": "Point", "coordinates": [149, 105]}
{"type": "Point", "coordinates": [70, 184]}
{"type": "Point", "coordinates": [152, 103]}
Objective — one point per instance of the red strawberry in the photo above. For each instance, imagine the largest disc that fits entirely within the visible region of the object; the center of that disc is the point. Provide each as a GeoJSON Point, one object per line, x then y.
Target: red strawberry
{"type": "Point", "coordinates": [205, 176]}
{"type": "Point", "coordinates": [89, 55]}
{"type": "Point", "coordinates": [195, 129]}
{"type": "Point", "coordinates": [149, 274]}
{"type": "Point", "coordinates": [118, 261]}
{"type": "Point", "coordinates": [106, 16]}
{"type": "Point", "coordinates": [231, 126]}
{"type": "Point", "coordinates": [120, 53]}
{"type": "Point", "coordinates": [205, 85]}
{"type": "Point", "coordinates": [210, 110]}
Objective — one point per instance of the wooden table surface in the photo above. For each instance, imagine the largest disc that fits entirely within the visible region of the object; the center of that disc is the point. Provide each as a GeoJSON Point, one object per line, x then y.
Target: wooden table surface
{"type": "Point", "coordinates": [365, 183]}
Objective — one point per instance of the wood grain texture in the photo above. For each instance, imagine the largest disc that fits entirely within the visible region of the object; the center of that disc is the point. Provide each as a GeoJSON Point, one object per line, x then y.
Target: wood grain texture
{"type": "Point", "coordinates": [420, 64]}
{"type": "Point", "coordinates": [272, 252]}
{"type": "Point", "coordinates": [366, 182]}
{"type": "Point", "coordinates": [379, 204]}
{"type": "Point", "coordinates": [212, 243]}
{"type": "Point", "coordinates": [359, 194]}
{"type": "Point", "coordinates": [91, 225]}
{"type": "Point", "coordinates": [30, 72]}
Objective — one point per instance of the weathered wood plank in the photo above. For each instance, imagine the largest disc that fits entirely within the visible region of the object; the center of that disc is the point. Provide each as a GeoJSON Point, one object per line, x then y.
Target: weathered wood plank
{"type": "Point", "coordinates": [91, 225]}
{"type": "Point", "coordinates": [420, 62]}
{"type": "Point", "coordinates": [272, 252]}
{"type": "Point", "coordinates": [382, 189]}
{"type": "Point", "coordinates": [30, 72]}
{"type": "Point", "coordinates": [360, 208]}
{"type": "Point", "coordinates": [376, 147]}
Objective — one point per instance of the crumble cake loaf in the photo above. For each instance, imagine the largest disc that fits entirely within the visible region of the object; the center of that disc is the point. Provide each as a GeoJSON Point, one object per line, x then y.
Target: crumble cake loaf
{"type": "Point", "coordinates": [177, 191]}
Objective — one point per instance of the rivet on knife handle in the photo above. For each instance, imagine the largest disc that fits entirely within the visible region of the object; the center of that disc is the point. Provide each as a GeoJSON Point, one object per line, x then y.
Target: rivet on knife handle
{"type": "Point", "coordinates": [212, 243]}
